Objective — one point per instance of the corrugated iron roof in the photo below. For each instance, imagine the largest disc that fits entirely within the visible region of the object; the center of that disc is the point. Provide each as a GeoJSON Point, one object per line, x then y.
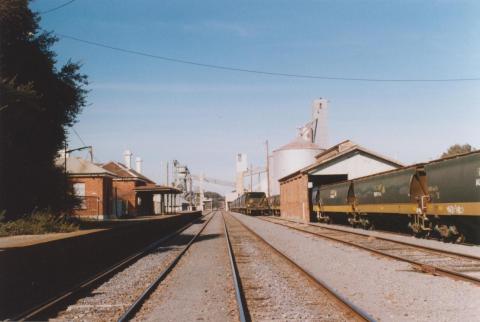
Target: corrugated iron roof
{"type": "Point", "coordinates": [158, 189]}
{"type": "Point", "coordinates": [122, 171]}
{"type": "Point", "coordinates": [79, 166]}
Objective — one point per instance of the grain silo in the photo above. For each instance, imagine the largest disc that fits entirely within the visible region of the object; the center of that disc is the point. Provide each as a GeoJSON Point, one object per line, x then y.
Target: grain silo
{"type": "Point", "coordinates": [300, 152]}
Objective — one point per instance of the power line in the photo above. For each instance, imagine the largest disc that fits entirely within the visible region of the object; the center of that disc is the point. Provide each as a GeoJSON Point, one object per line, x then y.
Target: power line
{"type": "Point", "coordinates": [56, 8]}
{"type": "Point", "coordinates": [78, 136]}
{"type": "Point", "coordinates": [261, 72]}
{"type": "Point", "coordinates": [84, 144]}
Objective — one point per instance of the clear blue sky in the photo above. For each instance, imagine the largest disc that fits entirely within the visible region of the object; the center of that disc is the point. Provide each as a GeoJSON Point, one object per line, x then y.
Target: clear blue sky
{"type": "Point", "coordinates": [203, 117]}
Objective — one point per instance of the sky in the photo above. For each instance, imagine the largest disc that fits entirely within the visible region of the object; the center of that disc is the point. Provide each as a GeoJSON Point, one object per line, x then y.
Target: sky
{"type": "Point", "coordinates": [203, 117]}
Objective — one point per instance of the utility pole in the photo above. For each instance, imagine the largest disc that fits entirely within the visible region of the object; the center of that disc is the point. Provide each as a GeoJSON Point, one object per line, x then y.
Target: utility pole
{"type": "Point", "coordinates": [268, 170]}
{"type": "Point", "coordinates": [202, 196]}
{"type": "Point", "coordinates": [66, 152]}
{"type": "Point", "coordinates": [167, 174]}
{"type": "Point", "coordinates": [251, 177]}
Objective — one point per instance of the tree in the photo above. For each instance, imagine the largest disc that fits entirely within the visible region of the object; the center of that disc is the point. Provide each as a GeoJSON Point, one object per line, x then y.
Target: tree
{"type": "Point", "coordinates": [458, 149]}
{"type": "Point", "coordinates": [38, 102]}
{"type": "Point", "coordinates": [217, 199]}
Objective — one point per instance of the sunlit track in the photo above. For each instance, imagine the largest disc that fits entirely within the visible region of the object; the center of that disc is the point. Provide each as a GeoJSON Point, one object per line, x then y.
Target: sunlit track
{"type": "Point", "coordinates": [426, 259]}
{"type": "Point", "coordinates": [52, 306]}
{"type": "Point", "coordinates": [241, 303]}
{"type": "Point", "coordinates": [343, 307]}
{"type": "Point", "coordinates": [132, 309]}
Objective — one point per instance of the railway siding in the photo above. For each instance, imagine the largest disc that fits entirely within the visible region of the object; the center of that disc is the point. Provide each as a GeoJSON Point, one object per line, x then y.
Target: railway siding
{"type": "Point", "coordinates": [387, 289]}
{"type": "Point", "coordinates": [433, 260]}
{"type": "Point", "coordinates": [276, 290]}
{"type": "Point", "coordinates": [468, 250]}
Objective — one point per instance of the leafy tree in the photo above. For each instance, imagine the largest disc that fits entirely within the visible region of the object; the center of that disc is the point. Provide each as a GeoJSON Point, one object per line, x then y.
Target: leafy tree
{"type": "Point", "coordinates": [38, 102]}
{"type": "Point", "coordinates": [217, 199]}
{"type": "Point", "coordinates": [457, 149]}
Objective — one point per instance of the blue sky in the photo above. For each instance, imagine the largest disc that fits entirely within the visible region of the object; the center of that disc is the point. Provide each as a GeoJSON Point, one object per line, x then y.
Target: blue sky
{"type": "Point", "coordinates": [203, 117]}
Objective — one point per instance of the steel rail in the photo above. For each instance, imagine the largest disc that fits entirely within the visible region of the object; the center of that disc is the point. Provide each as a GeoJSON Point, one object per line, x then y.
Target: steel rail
{"type": "Point", "coordinates": [359, 313]}
{"type": "Point", "coordinates": [376, 237]}
{"type": "Point", "coordinates": [429, 250]}
{"type": "Point", "coordinates": [243, 312]}
{"type": "Point", "coordinates": [41, 311]}
{"type": "Point", "coordinates": [130, 312]}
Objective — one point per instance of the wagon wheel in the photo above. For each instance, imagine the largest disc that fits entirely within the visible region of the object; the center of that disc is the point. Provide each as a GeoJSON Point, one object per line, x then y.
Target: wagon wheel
{"type": "Point", "coordinates": [460, 239]}
{"type": "Point", "coordinates": [422, 234]}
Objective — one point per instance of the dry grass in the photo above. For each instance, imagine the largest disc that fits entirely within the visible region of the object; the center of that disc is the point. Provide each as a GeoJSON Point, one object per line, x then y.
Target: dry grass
{"type": "Point", "coordinates": [38, 223]}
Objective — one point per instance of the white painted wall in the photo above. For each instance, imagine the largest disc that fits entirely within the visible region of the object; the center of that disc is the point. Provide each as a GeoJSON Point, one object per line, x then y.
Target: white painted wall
{"type": "Point", "coordinates": [355, 166]}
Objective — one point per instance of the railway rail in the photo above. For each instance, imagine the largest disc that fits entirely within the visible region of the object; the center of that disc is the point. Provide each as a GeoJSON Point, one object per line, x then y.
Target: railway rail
{"type": "Point", "coordinates": [50, 307]}
{"type": "Point", "coordinates": [132, 309]}
{"type": "Point", "coordinates": [243, 313]}
{"type": "Point", "coordinates": [425, 259]}
{"type": "Point", "coordinates": [235, 230]}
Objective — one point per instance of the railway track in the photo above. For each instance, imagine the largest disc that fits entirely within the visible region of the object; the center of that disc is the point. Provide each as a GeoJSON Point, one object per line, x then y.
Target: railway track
{"type": "Point", "coordinates": [51, 307]}
{"type": "Point", "coordinates": [425, 259]}
{"type": "Point", "coordinates": [132, 309]}
{"type": "Point", "coordinates": [269, 285]}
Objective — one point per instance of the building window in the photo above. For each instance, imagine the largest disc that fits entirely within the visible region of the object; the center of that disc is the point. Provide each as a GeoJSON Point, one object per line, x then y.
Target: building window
{"type": "Point", "coordinates": [79, 191]}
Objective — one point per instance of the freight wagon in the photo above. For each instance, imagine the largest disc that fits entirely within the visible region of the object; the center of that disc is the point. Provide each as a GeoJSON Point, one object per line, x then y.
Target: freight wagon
{"type": "Point", "coordinates": [440, 197]}
{"type": "Point", "coordinates": [274, 205]}
{"type": "Point", "coordinates": [251, 203]}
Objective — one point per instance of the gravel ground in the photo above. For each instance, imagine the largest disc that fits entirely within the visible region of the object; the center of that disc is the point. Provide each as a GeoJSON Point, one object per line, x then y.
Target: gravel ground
{"type": "Point", "coordinates": [108, 301]}
{"type": "Point", "coordinates": [200, 287]}
{"type": "Point", "coordinates": [387, 289]}
{"type": "Point", "coordinates": [274, 289]}
{"type": "Point", "coordinates": [473, 250]}
{"type": "Point", "coordinates": [435, 258]}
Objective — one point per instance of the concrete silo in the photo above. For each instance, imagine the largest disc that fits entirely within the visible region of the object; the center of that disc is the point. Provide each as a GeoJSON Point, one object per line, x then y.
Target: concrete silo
{"type": "Point", "coordinates": [301, 152]}
{"type": "Point", "coordinates": [291, 157]}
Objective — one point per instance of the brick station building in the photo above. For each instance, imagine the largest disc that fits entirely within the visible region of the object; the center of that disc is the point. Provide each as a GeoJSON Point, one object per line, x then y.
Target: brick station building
{"type": "Point", "coordinates": [124, 184]}
{"type": "Point", "coordinates": [92, 184]}
{"type": "Point", "coordinates": [134, 193]}
{"type": "Point", "coordinates": [344, 161]}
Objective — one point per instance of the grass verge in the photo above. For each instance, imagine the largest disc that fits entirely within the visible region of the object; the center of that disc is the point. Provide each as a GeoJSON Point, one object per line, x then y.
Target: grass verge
{"type": "Point", "coordinates": [38, 223]}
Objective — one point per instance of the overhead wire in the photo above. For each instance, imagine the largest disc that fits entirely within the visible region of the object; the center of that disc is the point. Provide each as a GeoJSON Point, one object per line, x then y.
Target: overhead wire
{"type": "Point", "coordinates": [261, 72]}
{"type": "Point", "coordinates": [56, 8]}
{"type": "Point", "coordinates": [83, 142]}
{"type": "Point", "coordinates": [78, 136]}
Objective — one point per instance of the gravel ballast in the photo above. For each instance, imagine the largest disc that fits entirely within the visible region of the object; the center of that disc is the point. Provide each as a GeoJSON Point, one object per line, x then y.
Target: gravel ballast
{"type": "Point", "coordinates": [274, 289]}
{"type": "Point", "coordinates": [108, 301]}
{"type": "Point", "coordinates": [471, 250]}
{"type": "Point", "coordinates": [389, 290]}
{"type": "Point", "coordinates": [200, 287]}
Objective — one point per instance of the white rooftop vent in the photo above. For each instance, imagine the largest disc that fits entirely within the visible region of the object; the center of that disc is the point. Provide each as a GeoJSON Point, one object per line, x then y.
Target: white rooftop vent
{"type": "Point", "coordinates": [128, 158]}
{"type": "Point", "coordinates": [138, 164]}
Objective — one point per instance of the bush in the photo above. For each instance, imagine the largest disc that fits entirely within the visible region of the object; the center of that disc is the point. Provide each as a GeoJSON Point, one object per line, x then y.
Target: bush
{"type": "Point", "coordinates": [38, 223]}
